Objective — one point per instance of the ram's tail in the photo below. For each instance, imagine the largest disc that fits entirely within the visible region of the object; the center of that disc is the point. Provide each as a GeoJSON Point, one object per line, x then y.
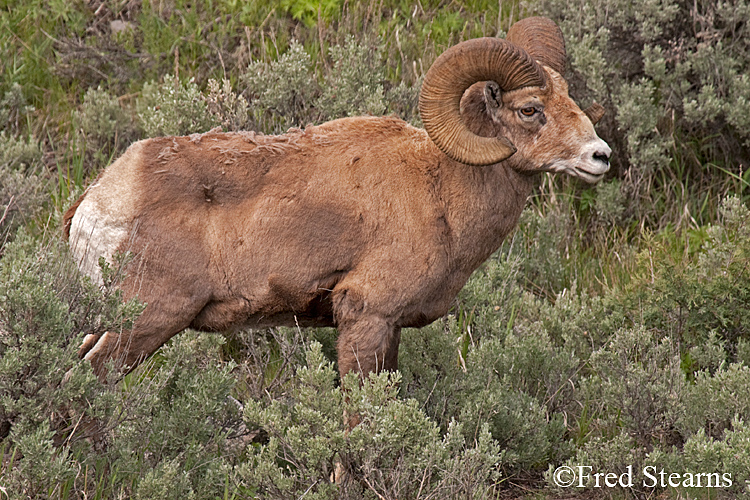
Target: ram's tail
{"type": "Point", "coordinates": [68, 217]}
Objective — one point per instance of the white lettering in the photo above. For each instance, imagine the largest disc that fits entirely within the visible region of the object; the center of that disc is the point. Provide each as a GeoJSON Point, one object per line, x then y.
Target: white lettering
{"type": "Point", "coordinates": [647, 473]}
{"type": "Point", "coordinates": [688, 480]}
{"type": "Point", "coordinates": [629, 476]}
{"type": "Point", "coordinates": [652, 478]}
{"type": "Point", "coordinates": [727, 477]}
{"type": "Point", "coordinates": [582, 475]}
{"type": "Point", "coordinates": [674, 479]}
{"type": "Point", "coordinates": [610, 480]}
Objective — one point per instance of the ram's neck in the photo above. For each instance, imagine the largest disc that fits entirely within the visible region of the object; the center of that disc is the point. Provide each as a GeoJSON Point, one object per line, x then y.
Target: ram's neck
{"type": "Point", "coordinates": [483, 205]}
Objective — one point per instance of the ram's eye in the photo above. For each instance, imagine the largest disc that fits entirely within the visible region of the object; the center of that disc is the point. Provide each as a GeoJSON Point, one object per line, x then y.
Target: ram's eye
{"type": "Point", "coordinates": [528, 111]}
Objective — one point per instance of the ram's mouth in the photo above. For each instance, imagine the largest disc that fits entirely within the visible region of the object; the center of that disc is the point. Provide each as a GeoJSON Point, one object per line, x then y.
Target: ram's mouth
{"type": "Point", "coordinates": [588, 176]}
{"type": "Point", "coordinates": [588, 171]}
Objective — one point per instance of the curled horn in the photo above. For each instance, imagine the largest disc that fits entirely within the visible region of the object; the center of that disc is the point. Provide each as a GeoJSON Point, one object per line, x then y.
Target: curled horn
{"type": "Point", "coordinates": [542, 39]}
{"type": "Point", "coordinates": [456, 70]}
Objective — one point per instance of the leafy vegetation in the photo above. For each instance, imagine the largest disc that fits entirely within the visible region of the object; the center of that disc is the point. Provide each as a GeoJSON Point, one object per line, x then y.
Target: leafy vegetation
{"type": "Point", "coordinates": [610, 330]}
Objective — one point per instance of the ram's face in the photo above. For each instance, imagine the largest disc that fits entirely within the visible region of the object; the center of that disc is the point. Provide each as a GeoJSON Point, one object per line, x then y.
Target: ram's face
{"type": "Point", "coordinates": [489, 100]}
{"type": "Point", "coordinates": [550, 132]}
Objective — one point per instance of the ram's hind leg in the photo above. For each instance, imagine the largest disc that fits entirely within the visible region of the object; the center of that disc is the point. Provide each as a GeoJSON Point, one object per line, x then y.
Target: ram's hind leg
{"type": "Point", "coordinates": [162, 318]}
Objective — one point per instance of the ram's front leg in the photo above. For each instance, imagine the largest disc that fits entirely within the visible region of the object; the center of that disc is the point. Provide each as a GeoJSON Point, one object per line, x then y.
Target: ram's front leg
{"type": "Point", "coordinates": [367, 345]}
{"type": "Point", "coordinates": [368, 336]}
{"type": "Point", "coordinates": [368, 339]}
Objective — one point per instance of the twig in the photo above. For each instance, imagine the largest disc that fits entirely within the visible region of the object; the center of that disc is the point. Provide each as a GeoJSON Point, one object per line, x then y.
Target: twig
{"type": "Point", "coordinates": [308, 489]}
{"type": "Point", "coordinates": [320, 38]}
{"type": "Point", "coordinates": [421, 483]}
{"type": "Point", "coordinates": [381, 497]}
{"type": "Point", "coordinates": [7, 209]}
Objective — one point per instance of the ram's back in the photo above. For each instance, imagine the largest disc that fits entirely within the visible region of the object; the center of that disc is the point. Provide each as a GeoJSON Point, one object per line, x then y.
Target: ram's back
{"type": "Point", "coordinates": [270, 216]}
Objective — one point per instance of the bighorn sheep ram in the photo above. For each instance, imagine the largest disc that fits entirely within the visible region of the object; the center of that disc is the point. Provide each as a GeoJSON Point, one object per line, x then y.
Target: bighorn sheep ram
{"type": "Point", "coordinates": [366, 224]}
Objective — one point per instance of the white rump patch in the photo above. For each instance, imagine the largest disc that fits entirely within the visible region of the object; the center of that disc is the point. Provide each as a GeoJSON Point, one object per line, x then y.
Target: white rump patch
{"type": "Point", "coordinates": [95, 236]}
{"type": "Point", "coordinates": [103, 222]}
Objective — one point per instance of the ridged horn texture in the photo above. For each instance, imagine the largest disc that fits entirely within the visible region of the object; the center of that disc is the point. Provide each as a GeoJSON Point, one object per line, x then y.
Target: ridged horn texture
{"type": "Point", "coordinates": [456, 70]}
{"type": "Point", "coordinates": [542, 39]}
{"type": "Point", "coordinates": [595, 112]}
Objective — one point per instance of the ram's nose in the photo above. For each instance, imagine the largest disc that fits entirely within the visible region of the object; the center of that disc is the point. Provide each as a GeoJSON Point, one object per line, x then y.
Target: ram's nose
{"type": "Point", "coordinates": [603, 157]}
{"type": "Point", "coordinates": [594, 161]}
{"type": "Point", "coordinates": [600, 153]}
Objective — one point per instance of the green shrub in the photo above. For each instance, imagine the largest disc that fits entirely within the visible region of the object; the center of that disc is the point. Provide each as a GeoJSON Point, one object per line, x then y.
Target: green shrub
{"type": "Point", "coordinates": [395, 452]}
{"type": "Point", "coordinates": [46, 394]}
{"type": "Point", "coordinates": [355, 84]}
{"type": "Point", "coordinates": [282, 93]}
{"type": "Point", "coordinates": [544, 244]}
{"type": "Point", "coordinates": [42, 469]}
{"type": "Point", "coordinates": [286, 93]}
{"type": "Point", "coordinates": [728, 455]}
{"type": "Point", "coordinates": [491, 299]}
{"type": "Point", "coordinates": [477, 367]}
{"type": "Point", "coordinates": [659, 385]}
{"type": "Point", "coordinates": [675, 76]}
{"type": "Point", "coordinates": [430, 360]}
{"type": "Point", "coordinates": [105, 125]}
{"type": "Point", "coordinates": [706, 295]}
{"type": "Point", "coordinates": [713, 401]}
{"type": "Point", "coordinates": [636, 387]}
{"type": "Point", "coordinates": [398, 452]}
{"type": "Point", "coordinates": [18, 153]}
{"type": "Point", "coordinates": [580, 322]}
{"type": "Point", "coordinates": [610, 203]}
{"type": "Point", "coordinates": [173, 107]}
{"type": "Point", "coordinates": [167, 480]}
{"type": "Point", "coordinates": [519, 386]}
{"type": "Point", "coordinates": [21, 184]}
{"type": "Point", "coordinates": [175, 417]}
{"type": "Point", "coordinates": [306, 433]}
{"type": "Point", "coordinates": [229, 110]}
{"type": "Point", "coordinates": [632, 401]}
{"type": "Point", "coordinates": [726, 459]}
{"type": "Point", "coordinates": [14, 109]}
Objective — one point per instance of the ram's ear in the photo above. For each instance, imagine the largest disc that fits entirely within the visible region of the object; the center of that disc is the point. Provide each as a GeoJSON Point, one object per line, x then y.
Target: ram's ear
{"type": "Point", "coordinates": [493, 96]}
{"type": "Point", "coordinates": [595, 112]}
{"type": "Point", "coordinates": [480, 106]}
